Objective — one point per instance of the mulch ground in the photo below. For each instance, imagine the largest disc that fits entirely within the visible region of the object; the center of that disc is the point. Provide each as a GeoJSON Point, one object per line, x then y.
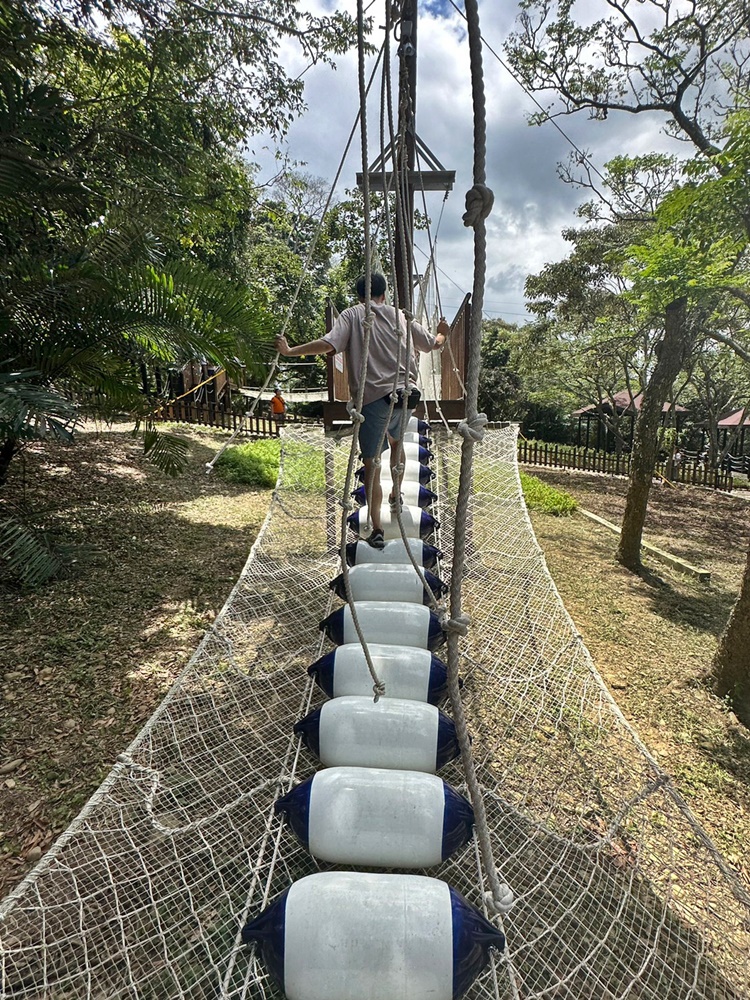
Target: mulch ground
{"type": "Point", "coordinates": [86, 658]}
{"type": "Point", "coordinates": [652, 637]}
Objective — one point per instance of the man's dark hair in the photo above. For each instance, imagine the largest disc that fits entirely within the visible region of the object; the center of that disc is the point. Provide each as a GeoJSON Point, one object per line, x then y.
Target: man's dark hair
{"type": "Point", "coordinates": [378, 285]}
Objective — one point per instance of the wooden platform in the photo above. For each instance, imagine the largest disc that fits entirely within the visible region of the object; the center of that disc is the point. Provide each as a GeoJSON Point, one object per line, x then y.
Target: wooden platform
{"type": "Point", "coordinates": [454, 410]}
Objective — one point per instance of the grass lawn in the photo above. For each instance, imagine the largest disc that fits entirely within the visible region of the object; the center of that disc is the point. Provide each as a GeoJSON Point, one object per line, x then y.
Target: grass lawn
{"type": "Point", "coordinates": [85, 660]}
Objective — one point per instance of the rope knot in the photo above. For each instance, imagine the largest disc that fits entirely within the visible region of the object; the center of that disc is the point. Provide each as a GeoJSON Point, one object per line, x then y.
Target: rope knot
{"type": "Point", "coordinates": [473, 428]}
{"type": "Point", "coordinates": [479, 201]}
{"type": "Point", "coordinates": [378, 689]}
{"type": "Point", "coordinates": [408, 313]}
{"type": "Point", "coordinates": [459, 624]}
{"type": "Point", "coordinates": [354, 414]}
{"type": "Point", "coordinates": [503, 902]}
{"type": "Point", "coordinates": [345, 504]}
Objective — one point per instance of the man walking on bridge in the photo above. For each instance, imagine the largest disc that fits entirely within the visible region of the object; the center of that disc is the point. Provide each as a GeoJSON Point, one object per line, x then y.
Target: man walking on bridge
{"type": "Point", "coordinates": [348, 335]}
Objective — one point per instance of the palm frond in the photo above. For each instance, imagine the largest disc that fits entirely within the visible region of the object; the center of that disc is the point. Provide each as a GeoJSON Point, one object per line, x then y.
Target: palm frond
{"type": "Point", "coordinates": [27, 553]}
{"type": "Point", "coordinates": [167, 452]}
{"type": "Point", "coordinates": [29, 411]}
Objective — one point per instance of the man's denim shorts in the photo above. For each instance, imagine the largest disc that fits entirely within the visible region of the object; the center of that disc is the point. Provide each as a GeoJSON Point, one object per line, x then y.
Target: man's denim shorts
{"type": "Point", "coordinates": [376, 416]}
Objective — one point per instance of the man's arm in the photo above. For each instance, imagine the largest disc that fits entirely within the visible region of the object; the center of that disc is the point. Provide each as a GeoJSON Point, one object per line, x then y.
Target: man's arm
{"type": "Point", "coordinates": [443, 329]}
{"type": "Point", "coordinates": [441, 335]}
{"type": "Point", "coordinates": [319, 346]}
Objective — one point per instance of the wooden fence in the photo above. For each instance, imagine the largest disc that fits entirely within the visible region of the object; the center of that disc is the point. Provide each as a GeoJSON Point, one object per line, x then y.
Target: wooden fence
{"type": "Point", "coordinates": [561, 456]}
{"type": "Point", "coordinates": [215, 414]}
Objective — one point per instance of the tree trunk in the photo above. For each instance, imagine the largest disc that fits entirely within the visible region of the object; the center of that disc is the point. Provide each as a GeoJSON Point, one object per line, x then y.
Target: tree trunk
{"type": "Point", "coordinates": [671, 355]}
{"type": "Point", "coordinates": [7, 451]}
{"type": "Point", "coordinates": [731, 664]}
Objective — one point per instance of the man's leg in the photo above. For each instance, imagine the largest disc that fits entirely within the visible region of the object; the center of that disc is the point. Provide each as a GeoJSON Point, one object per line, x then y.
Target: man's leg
{"type": "Point", "coordinates": [397, 458]}
{"type": "Point", "coordinates": [370, 433]}
{"type": "Point", "coordinates": [374, 493]}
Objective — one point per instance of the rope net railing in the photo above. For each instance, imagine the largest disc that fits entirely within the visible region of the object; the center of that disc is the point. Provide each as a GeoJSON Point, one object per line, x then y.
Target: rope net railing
{"type": "Point", "coordinates": [619, 893]}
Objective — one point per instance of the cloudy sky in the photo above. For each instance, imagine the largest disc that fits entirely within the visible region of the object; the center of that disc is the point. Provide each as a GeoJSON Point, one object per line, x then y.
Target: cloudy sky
{"type": "Point", "coordinates": [532, 205]}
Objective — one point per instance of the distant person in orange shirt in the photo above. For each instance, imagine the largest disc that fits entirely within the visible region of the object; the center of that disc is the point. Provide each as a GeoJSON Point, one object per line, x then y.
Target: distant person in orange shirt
{"type": "Point", "coordinates": [278, 407]}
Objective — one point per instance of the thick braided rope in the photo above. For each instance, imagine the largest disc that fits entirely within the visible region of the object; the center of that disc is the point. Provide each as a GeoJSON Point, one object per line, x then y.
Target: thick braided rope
{"type": "Point", "coordinates": [386, 114]}
{"type": "Point", "coordinates": [479, 203]}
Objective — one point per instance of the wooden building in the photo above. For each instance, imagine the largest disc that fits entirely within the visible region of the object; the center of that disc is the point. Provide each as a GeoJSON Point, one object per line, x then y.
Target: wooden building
{"type": "Point", "coordinates": [625, 407]}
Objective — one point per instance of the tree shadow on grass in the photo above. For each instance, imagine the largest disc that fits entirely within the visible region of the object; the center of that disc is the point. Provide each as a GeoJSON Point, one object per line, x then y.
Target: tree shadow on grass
{"type": "Point", "coordinates": [91, 652]}
{"type": "Point", "coordinates": [732, 755]}
{"type": "Point", "coordinates": [697, 605]}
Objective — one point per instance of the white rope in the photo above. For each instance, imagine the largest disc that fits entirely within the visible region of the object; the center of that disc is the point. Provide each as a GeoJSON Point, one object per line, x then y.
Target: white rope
{"type": "Point", "coordinates": [355, 407]}
{"type": "Point", "coordinates": [479, 204]}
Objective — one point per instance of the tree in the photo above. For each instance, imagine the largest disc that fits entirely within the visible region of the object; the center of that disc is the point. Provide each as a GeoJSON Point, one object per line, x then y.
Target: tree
{"type": "Point", "coordinates": [591, 334]}
{"type": "Point", "coordinates": [121, 118]}
{"type": "Point", "coordinates": [121, 183]}
{"type": "Point", "coordinates": [688, 65]}
{"type": "Point", "coordinates": [691, 66]}
{"type": "Point", "coordinates": [500, 391]}
{"type": "Point", "coordinates": [719, 382]}
{"type": "Point", "coordinates": [685, 64]}
{"type": "Point", "coordinates": [731, 664]}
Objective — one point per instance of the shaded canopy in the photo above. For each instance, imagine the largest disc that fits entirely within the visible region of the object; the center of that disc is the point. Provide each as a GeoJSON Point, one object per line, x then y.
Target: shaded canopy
{"type": "Point", "coordinates": [623, 404]}
{"type": "Point", "coordinates": [739, 417]}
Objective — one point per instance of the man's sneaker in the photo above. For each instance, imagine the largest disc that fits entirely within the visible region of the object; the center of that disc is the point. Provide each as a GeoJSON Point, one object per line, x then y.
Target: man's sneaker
{"type": "Point", "coordinates": [376, 539]}
{"type": "Point", "coordinates": [396, 505]}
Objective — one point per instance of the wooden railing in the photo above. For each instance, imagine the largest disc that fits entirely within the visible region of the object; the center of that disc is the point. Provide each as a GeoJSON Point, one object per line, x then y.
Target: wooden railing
{"type": "Point", "coordinates": [212, 414]}
{"type": "Point", "coordinates": [562, 456]}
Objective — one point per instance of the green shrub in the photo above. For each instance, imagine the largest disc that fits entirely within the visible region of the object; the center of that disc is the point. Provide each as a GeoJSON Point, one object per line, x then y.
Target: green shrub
{"type": "Point", "coordinates": [303, 468]}
{"type": "Point", "coordinates": [253, 464]}
{"type": "Point", "coordinates": [541, 496]}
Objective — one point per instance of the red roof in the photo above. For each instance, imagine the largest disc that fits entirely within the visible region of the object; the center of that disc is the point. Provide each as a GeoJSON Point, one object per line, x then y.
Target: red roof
{"type": "Point", "coordinates": [623, 404]}
{"type": "Point", "coordinates": [733, 420]}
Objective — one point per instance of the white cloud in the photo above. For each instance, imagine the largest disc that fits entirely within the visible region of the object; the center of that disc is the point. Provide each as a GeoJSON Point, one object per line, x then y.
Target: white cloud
{"type": "Point", "coordinates": [532, 204]}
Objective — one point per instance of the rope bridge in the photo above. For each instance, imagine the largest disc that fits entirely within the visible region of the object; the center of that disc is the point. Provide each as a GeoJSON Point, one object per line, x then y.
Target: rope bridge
{"type": "Point", "coordinates": [619, 892]}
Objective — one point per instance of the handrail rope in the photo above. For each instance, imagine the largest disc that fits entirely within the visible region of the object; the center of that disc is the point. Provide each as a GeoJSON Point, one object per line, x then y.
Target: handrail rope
{"type": "Point", "coordinates": [433, 256]}
{"type": "Point", "coordinates": [356, 407]}
{"type": "Point", "coordinates": [438, 607]}
{"type": "Point", "coordinates": [401, 197]}
{"type": "Point", "coordinates": [386, 112]}
{"type": "Point", "coordinates": [303, 272]}
{"type": "Point", "coordinates": [478, 206]}
{"type": "Point", "coordinates": [432, 269]}
{"type": "Point", "coordinates": [385, 107]}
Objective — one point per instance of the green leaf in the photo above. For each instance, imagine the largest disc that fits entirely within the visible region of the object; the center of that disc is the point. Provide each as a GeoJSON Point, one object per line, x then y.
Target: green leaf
{"type": "Point", "coordinates": [168, 453]}
{"type": "Point", "coordinates": [27, 553]}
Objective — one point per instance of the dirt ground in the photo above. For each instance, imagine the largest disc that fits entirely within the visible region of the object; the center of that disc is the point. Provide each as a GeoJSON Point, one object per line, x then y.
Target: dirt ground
{"type": "Point", "coordinates": [86, 659]}
{"type": "Point", "coordinates": [653, 637]}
